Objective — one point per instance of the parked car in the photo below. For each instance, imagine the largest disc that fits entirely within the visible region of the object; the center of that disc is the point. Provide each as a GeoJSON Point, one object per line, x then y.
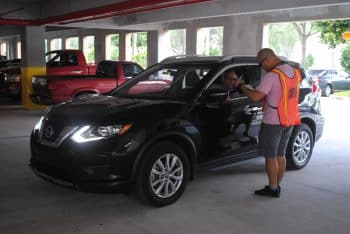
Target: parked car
{"type": "Point", "coordinates": [157, 129]}
{"type": "Point", "coordinates": [49, 90]}
{"type": "Point", "coordinates": [331, 80]}
{"type": "Point", "coordinates": [10, 77]}
{"type": "Point", "coordinates": [59, 62]}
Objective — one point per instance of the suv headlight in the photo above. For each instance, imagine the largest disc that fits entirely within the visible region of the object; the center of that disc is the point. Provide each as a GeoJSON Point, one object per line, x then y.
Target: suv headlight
{"type": "Point", "coordinates": [38, 125]}
{"type": "Point", "coordinates": [93, 133]}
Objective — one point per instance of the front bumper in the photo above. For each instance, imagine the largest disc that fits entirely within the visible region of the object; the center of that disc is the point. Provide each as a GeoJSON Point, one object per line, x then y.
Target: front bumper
{"type": "Point", "coordinates": [42, 100]}
{"type": "Point", "coordinates": [13, 89]}
{"type": "Point", "coordinates": [92, 165]}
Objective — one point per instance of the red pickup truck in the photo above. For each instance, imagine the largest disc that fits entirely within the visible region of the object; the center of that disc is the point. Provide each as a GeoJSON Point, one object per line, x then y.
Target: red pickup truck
{"type": "Point", "coordinates": [49, 90]}
{"type": "Point", "coordinates": [59, 62]}
{"type": "Point", "coordinates": [68, 62]}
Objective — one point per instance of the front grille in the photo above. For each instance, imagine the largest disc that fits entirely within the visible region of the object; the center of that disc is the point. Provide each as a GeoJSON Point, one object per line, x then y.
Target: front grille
{"type": "Point", "coordinates": [54, 133]}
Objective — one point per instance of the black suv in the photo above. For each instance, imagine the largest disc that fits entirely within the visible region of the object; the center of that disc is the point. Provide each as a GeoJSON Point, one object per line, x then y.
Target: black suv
{"type": "Point", "coordinates": [157, 129]}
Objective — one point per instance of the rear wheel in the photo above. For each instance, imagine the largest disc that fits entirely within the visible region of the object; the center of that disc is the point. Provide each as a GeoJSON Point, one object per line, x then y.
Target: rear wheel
{"type": "Point", "coordinates": [163, 174]}
{"type": "Point", "coordinates": [300, 147]}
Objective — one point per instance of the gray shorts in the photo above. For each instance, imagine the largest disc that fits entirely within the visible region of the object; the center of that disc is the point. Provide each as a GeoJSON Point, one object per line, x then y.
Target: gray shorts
{"type": "Point", "coordinates": [273, 140]}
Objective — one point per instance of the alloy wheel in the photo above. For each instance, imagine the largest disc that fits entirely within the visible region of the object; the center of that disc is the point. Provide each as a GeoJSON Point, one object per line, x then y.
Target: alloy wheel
{"type": "Point", "coordinates": [166, 175]}
{"type": "Point", "coordinates": [302, 147]}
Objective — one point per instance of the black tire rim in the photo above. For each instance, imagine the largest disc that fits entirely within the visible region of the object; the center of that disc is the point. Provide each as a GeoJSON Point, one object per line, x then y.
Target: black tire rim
{"type": "Point", "coordinates": [166, 175]}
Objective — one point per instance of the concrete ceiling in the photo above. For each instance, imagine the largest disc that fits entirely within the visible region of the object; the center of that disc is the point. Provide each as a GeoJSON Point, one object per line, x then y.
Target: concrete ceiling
{"type": "Point", "coordinates": [270, 10]}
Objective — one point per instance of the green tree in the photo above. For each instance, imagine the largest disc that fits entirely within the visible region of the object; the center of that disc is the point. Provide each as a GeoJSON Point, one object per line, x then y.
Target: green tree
{"type": "Point", "coordinates": [139, 48]}
{"type": "Point", "coordinates": [214, 51]}
{"type": "Point", "coordinates": [115, 47]}
{"type": "Point", "coordinates": [309, 61]}
{"type": "Point", "coordinates": [91, 56]}
{"type": "Point", "coordinates": [141, 41]}
{"type": "Point", "coordinates": [282, 38]}
{"type": "Point", "coordinates": [345, 58]}
{"type": "Point", "coordinates": [216, 41]}
{"type": "Point", "coordinates": [177, 41]}
{"type": "Point", "coordinates": [304, 31]}
{"type": "Point", "coordinates": [141, 58]}
{"type": "Point", "coordinates": [332, 30]}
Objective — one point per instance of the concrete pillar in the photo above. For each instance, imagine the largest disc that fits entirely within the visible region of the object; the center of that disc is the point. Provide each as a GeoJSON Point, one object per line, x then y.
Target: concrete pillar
{"type": "Point", "coordinates": [152, 47]}
{"type": "Point", "coordinates": [81, 43]}
{"type": "Point", "coordinates": [12, 48]}
{"type": "Point", "coordinates": [191, 40]}
{"type": "Point", "coordinates": [242, 35]}
{"type": "Point", "coordinates": [33, 60]}
{"type": "Point", "coordinates": [122, 46]}
{"type": "Point", "coordinates": [100, 46]}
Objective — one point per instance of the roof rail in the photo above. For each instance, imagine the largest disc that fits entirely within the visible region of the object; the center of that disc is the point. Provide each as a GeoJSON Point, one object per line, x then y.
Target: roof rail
{"type": "Point", "coordinates": [190, 56]}
{"type": "Point", "coordinates": [231, 57]}
{"type": "Point", "coordinates": [175, 57]}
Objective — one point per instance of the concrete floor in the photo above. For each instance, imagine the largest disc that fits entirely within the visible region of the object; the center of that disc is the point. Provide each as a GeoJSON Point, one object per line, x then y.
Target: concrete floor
{"type": "Point", "coordinates": [314, 200]}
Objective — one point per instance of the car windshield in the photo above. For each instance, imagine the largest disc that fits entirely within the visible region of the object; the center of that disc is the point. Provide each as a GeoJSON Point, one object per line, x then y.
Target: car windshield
{"type": "Point", "coordinates": [178, 81]}
{"type": "Point", "coordinates": [315, 72]}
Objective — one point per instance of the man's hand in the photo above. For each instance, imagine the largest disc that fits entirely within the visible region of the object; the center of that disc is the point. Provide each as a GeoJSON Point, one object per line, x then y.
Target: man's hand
{"type": "Point", "coordinates": [236, 82]}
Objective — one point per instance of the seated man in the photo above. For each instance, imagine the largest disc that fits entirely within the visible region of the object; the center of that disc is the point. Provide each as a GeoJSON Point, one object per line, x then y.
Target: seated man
{"type": "Point", "coordinates": [227, 81]}
{"type": "Point", "coordinates": [220, 108]}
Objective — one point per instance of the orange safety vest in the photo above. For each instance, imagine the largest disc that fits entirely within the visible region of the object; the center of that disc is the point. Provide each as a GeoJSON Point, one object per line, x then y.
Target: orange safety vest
{"type": "Point", "coordinates": [288, 109]}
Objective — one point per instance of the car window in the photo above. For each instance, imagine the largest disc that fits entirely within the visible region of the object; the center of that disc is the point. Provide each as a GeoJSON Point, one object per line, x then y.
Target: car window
{"type": "Point", "coordinates": [62, 59]}
{"type": "Point", "coordinates": [172, 81]}
{"type": "Point", "coordinates": [130, 70]}
{"type": "Point", "coordinates": [106, 69]}
{"type": "Point", "coordinates": [250, 74]}
{"type": "Point", "coordinates": [343, 74]}
{"type": "Point", "coordinates": [317, 72]}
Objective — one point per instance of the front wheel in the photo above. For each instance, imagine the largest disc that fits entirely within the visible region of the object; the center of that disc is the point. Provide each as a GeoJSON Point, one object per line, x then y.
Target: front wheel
{"type": "Point", "coordinates": [163, 174]}
{"type": "Point", "coordinates": [327, 91]}
{"type": "Point", "coordinates": [300, 147]}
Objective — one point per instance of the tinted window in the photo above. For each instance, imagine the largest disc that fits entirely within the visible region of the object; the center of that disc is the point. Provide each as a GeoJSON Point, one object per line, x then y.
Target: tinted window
{"type": "Point", "coordinates": [106, 69]}
{"type": "Point", "coordinates": [131, 70]}
{"type": "Point", "coordinates": [61, 59]}
{"type": "Point", "coordinates": [315, 72]}
{"type": "Point", "coordinates": [166, 82]}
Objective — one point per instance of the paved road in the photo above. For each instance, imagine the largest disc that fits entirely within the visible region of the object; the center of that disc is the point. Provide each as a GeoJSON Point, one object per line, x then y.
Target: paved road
{"type": "Point", "coordinates": [314, 200]}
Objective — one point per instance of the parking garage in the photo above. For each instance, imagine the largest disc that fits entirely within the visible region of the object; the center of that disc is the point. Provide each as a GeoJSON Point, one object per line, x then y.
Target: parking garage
{"type": "Point", "coordinates": [315, 199]}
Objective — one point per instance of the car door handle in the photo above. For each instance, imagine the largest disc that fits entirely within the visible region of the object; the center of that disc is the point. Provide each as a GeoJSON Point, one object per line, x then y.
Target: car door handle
{"type": "Point", "coordinates": [77, 71]}
{"type": "Point", "coordinates": [251, 109]}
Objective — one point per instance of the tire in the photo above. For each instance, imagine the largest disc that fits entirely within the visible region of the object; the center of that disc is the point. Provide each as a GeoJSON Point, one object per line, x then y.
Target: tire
{"type": "Point", "coordinates": [155, 168]}
{"type": "Point", "coordinates": [300, 147]}
{"type": "Point", "coordinates": [327, 91]}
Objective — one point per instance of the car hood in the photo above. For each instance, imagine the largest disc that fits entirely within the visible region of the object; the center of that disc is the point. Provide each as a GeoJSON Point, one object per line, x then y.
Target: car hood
{"type": "Point", "coordinates": [104, 110]}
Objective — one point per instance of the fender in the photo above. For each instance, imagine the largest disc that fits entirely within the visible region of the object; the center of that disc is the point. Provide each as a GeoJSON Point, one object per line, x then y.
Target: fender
{"type": "Point", "coordinates": [84, 89]}
{"type": "Point", "coordinates": [164, 136]}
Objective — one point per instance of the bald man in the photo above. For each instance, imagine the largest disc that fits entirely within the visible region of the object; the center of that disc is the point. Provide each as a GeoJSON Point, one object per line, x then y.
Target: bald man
{"type": "Point", "coordinates": [281, 82]}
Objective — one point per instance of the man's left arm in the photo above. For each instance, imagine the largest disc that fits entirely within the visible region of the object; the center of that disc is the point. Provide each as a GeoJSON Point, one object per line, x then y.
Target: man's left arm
{"type": "Point", "coordinates": [253, 94]}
